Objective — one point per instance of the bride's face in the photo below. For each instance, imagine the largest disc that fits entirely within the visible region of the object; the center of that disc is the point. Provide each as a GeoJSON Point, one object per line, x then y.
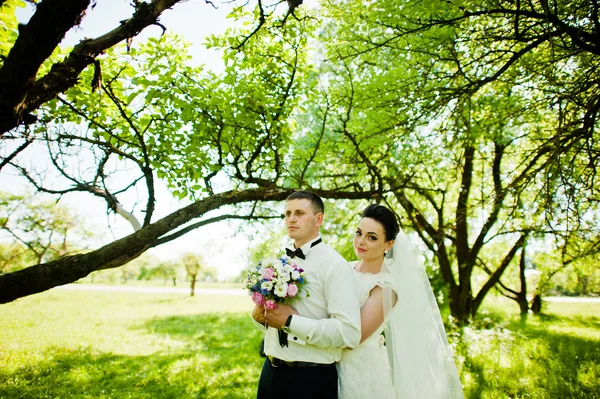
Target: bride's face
{"type": "Point", "coordinates": [369, 240]}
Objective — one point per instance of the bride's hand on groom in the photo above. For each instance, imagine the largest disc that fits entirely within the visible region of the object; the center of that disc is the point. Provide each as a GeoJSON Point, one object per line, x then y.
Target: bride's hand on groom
{"type": "Point", "coordinates": [277, 317]}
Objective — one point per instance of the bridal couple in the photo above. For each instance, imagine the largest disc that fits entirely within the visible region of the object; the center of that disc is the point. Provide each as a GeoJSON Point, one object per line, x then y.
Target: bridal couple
{"type": "Point", "coordinates": [367, 329]}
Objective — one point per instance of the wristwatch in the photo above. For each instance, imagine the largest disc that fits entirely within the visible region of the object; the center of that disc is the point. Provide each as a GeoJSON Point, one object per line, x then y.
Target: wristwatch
{"type": "Point", "coordinates": [286, 326]}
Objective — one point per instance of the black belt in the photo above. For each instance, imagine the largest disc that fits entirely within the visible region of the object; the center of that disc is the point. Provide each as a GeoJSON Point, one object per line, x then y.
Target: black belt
{"type": "Point", "coordinates": [290, 365]}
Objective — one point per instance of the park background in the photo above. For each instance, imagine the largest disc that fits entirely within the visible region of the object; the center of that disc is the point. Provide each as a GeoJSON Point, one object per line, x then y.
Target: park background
{"type": "Point", "coordinates": [474, 121]}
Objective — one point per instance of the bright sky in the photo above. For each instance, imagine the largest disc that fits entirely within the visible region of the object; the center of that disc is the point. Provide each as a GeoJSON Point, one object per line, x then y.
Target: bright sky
{"type": "Point", "coordinates": [218, 243]}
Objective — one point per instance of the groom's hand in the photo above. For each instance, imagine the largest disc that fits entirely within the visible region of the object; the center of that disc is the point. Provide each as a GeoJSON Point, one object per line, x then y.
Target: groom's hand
{"type": "Point", "coordinates": [277, 317]}
{"type": "Point", "coordinates": [258, 314]}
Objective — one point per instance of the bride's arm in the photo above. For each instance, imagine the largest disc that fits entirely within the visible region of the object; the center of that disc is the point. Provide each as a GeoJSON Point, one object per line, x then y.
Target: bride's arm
{"type": "Point", "coordinates": [372, 314]}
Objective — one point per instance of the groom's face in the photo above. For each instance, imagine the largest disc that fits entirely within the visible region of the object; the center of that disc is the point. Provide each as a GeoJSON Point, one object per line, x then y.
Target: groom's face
{"type": "Point", "coordinates": [301, 220]}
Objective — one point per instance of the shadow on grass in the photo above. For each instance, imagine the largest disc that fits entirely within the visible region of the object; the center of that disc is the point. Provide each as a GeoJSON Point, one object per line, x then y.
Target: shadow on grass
{"type": "Point", "coordinates": [218, 359]}
{"type": "Point", "coordinates": [528, 358]}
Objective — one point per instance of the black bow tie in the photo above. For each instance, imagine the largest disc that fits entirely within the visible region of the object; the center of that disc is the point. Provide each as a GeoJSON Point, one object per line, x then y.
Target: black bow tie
{"type": "Point", "coordinates": [298, 251]}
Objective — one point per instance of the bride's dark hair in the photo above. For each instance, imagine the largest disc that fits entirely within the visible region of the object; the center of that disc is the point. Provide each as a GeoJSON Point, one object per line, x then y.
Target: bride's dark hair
{"type": "Point", "coordinates": [384, 216]}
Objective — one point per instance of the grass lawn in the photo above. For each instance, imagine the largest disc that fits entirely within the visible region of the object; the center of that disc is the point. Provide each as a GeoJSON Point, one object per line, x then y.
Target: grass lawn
{"type": "Point", "coordinates": [77, 344]}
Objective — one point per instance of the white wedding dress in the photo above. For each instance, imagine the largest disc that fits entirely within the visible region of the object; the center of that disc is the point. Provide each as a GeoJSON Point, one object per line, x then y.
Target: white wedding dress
{"type": "Point", "coordinates": [364, 372]}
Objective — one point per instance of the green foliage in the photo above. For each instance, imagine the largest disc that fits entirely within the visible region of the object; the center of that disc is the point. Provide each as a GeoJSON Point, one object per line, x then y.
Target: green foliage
{"type": "Point", "coordinates": [42, 228]}
{"type": "Point", "coordinates": [395, 97]}
{"type": "Point", "coordinates": [8, 26]}
{"type": "Point", "coordinates": [472, 111]}
{"type": "Point", "coordinates": [190, 125]}
{"type": "Point", "coordinates": [268, 242]}
{"type": "Point", "coordinates": [582, 278]}
{"type": "Point", "coordinates": [193, 264]}
{"type": "Point", "coordinates": [339, 227]}
{"type": "Point", "coordinates": [14, 257]}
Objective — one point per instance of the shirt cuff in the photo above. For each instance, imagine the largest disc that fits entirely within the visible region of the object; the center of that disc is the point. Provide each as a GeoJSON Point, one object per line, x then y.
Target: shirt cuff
{"type": "Point", "coordinates": [300, 328]}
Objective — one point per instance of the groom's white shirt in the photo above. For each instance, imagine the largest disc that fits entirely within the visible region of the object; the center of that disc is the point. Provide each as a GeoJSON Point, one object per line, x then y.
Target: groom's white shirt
{"type": "Point", "coordinates": [329, 318]}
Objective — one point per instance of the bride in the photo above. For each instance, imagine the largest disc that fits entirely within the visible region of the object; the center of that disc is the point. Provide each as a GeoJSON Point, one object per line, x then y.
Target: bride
{"type": "Point", "coordinates": [404, 352]}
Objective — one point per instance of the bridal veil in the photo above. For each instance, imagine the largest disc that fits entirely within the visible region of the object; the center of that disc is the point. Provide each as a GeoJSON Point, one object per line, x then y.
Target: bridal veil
{"type": "Point", "coordinates": [421, 358]}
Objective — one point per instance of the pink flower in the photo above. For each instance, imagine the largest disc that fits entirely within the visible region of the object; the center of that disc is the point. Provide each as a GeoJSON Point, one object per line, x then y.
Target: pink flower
{"type": "Point", "coordinates": [292, 290]}
{"type": "Point", "coordinates": [269, 304]}
{"type": "Point", "coordinates": [268, 273]}
{"type": "Point", "coordinates": [257, 298]}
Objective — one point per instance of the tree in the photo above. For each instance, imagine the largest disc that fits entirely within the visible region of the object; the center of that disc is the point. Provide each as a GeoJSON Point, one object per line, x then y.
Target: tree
{"type": "Point", "coordinates": [193, 266]}
{"type": "Point", "coordinates": [41, 228]}
{"type": "Point", "coordinates": [188, 128]}
{"type": "Point", "coordinates": [481, 108]}
{"type": "Point", "coordinates": [23, 90]}
{"type": "Point", "coordinates": [165, 270]}
{"type": "Point", "coordinates": [13, 257]}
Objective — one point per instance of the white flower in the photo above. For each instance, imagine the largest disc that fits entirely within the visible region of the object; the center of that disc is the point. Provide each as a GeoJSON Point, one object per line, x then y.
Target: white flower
{"type": "Point", "coordinates": [287, 269]}
{"type": "Point", "coordinates": [295, 275]}
{"type": "Point", "coordinates": [283, 277]}
{"type": "Point", "coordinates": [260, 270]}
{"type": "Point", "coordinates": [281, 290]}
{"type": "Point", "coordinates": [267, 285]}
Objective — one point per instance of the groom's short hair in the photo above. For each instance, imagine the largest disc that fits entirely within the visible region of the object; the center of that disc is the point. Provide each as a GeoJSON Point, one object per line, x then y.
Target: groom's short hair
{"type": "Point", "coordinates": [315, 200]}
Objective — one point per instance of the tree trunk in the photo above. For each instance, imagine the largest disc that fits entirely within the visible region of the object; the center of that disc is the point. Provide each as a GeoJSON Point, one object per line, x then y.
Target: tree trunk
{"type": "Point", "coordinates": [536, 304]}
{"type": "Point", "coordinates": [193, 285]}
{"type": "Point", "coordinates": [461, 303]}
{"type": "Point", "coordinates": [523, 305]}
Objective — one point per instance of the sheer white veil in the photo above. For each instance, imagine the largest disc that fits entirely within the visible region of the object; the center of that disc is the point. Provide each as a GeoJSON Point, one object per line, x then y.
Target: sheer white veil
{"type": "Point", "coordinates": [421, 358]}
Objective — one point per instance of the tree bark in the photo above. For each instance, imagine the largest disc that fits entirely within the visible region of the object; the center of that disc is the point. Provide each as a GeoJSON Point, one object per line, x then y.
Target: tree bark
{"type": "Point", "coordinates": [35, 43]}
{"type": "Point", "coordinates": [21, 93]}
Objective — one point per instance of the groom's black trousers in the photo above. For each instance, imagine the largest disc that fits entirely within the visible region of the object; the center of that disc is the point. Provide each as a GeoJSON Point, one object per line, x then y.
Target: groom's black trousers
{"type": "Point", "coordinates": [297, 383]}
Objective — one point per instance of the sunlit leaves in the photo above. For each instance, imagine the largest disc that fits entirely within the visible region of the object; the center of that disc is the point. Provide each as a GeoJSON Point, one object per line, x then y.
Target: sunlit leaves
{"type": "Point", "coordinates": [8, 26]}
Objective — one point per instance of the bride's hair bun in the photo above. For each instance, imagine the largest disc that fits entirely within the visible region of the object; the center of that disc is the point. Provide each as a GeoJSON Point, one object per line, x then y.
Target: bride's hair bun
{"type": "Point", "coordinates": [386, 217]}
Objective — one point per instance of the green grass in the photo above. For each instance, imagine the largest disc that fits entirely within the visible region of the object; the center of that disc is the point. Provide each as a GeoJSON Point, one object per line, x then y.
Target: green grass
{"type": "Point", "coordinates": [115, 345]}
{"type": "Point", "coordinates": [76, 344]}
{"type": "Point", "coordinates": [554, 355]}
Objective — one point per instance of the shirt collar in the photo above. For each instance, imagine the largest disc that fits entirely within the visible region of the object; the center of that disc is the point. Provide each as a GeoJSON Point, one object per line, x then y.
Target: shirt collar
{"type": "Point", "coordinates": [307, 247]}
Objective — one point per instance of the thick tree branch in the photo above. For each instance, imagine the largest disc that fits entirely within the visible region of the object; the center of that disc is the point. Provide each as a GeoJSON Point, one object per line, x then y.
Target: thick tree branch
{"type": "Point", "coordinates": [215, 219]}
{"type": "Point", "coordinates": [34, 45]}
{"type": "Point", "coordinates": [24, 95]}
{"type": "Point", "coordinates": [41, 277]}
{"type": "Point", "coordinates": [499, 271]}
{"type": "Point", "coordinates": [421, 225]}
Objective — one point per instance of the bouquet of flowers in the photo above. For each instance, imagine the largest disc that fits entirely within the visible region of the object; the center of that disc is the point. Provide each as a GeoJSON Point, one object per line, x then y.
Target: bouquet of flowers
{"type": "Point", "coordinates": [273, 281]}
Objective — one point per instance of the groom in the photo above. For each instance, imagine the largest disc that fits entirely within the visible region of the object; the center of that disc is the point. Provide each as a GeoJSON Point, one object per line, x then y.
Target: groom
{"type": "Point", "coordinates": [318, 325]}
